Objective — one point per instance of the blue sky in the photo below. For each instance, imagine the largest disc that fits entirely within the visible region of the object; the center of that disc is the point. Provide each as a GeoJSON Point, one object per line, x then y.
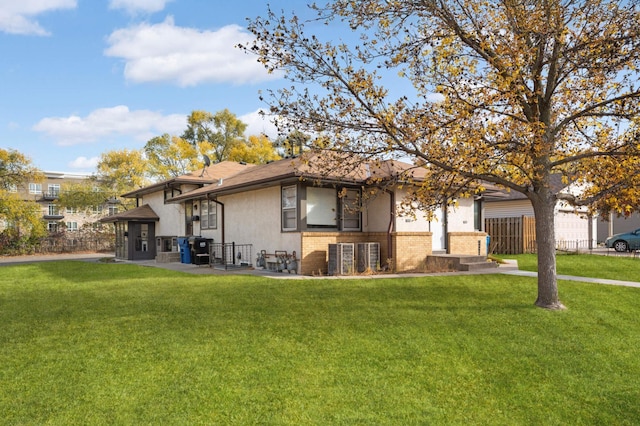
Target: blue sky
{"type": "Point", "coordinates": [83, 77]}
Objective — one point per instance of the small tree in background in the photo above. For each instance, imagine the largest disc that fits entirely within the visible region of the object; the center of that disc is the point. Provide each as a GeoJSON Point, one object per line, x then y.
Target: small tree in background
{"type": "Point", "coordinates": [21, 224]}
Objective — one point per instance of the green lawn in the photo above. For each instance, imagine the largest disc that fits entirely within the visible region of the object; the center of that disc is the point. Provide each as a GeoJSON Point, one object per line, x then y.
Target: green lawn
{"type": "Point", "coordinates": [89, 343]}
{"type": "Point", "coordinates": [586, 265]}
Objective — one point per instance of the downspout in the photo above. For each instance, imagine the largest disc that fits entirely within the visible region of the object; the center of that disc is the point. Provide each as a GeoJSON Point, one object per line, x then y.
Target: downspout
{"type": "Point", "coordinates": [392, 217]}
{"type": "Point", "coordinates": [445, 227]}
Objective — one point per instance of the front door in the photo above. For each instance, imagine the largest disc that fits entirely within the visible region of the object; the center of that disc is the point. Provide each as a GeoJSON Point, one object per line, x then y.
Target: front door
{"type": "Point", "coordinates": [439, 231]}
{"type": "Point", "coordinates": [141, 241]}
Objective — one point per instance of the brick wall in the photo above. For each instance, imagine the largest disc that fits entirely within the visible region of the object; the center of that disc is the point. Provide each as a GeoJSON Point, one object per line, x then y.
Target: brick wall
{"type": "Point", "coordinates": [410, 249]}
{"type": "Point", "coordinates": [473, 243]}
{"type": "Point", "coordinates": [315, 245]}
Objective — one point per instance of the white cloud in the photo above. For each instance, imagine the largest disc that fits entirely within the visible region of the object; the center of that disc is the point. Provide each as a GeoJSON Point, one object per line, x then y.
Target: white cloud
{"type": "Point", "coordinates": [136, 6]}
{"type": "Point", "coordinates": [18, 16]}
{"type": "Point", "coordinates": [115, 122]}
{"type": "Point", "coordinates": [185, 56]}
{"type": "Point", "coordinates": [84, 163]}
{"type": "Point", "coordinates": [258, 124]}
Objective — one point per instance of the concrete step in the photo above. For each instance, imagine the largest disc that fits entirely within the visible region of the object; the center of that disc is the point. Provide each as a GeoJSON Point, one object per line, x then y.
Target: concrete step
{"type": "Point", "coordinates": [477, 266]}
{"type": "Point", "coordinates": [453, 262]}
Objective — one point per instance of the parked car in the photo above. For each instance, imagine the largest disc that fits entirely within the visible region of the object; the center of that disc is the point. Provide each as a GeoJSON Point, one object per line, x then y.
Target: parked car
{"type": "Point", "coordinates": [624, 242]}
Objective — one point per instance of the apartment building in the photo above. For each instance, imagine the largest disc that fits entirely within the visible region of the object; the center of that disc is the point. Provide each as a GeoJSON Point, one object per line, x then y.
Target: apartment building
{"type": "Point", "coordinates": [57, 218]}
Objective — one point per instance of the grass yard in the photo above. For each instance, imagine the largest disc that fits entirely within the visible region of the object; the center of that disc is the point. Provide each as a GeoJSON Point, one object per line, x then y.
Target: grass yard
{"type": "Point", "coordinates": [90, 343]}
{"type": "Point", "coordinates": [586, 265]}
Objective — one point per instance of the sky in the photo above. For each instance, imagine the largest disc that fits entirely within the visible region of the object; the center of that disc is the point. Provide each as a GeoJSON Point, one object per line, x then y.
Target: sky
{"type": "Point", "coordinates": [79, 78]}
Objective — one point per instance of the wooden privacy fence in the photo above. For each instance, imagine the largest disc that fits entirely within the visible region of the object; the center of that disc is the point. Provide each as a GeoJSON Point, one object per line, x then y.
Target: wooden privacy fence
{"type": "Point", "coordinates": [511, 235]}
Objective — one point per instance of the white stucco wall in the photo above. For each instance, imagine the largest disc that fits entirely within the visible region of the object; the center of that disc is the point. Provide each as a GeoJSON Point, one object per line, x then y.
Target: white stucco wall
{"type": "Point", "coordinates": [460, 216]}
{"type": "Point", "coordinates": [377, 213]}
{"type": "Point", "coordinates": [171, 216]}
{"type": "Point", "coordinates": [253, 217]}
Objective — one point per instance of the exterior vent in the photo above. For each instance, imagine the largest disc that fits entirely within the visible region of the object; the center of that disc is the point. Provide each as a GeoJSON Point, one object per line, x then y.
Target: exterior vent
{"type": "Point", "coordinates": [368, 256]}
{"type": "Point", "coordinates": [341, 259]}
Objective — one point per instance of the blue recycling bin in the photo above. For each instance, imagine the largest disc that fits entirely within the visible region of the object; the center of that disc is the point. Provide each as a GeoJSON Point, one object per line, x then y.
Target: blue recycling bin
{"type": "Point", "coordinates": [488, 244]}
{"type": "Point", "coordinates": [185, 252]}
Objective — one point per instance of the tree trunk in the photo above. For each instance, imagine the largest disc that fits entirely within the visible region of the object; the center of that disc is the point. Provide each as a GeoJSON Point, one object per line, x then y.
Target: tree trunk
{"type": "Point", "coordinates": [543, 208]}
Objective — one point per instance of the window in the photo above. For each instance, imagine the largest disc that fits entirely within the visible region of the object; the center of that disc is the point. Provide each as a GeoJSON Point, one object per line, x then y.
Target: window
{"type": "Point", "coordinates": [53, 210]}
{"type": "Point", "coordinates": [72, 226]}
{"type": "Point", "coordinates": [113, 210]}
{"type": "Point", "coordinates": [289, 208]}
{"type": "Point", "coordinates": [52, 226]}
{"type": "Point", "coordinates": [96, 209]}
{"type": "Point", "coordinates": [350, 202]}
{"type": "Point", "coordinates": [71, 210]}
{"type": "Point", "coordinates": [326, 208]}
{"type": "Point", "coordinates": [208, 214]}
{"type": "Point", "coordinates": [53, 189]}
{"type": "Point", "coordinates": [321, 208]}
{"type": "Point", "coordinates": [35, 188]}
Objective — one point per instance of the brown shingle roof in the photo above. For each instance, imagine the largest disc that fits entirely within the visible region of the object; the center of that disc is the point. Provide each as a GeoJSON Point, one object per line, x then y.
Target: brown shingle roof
{"type": "Point", "coordinates": [139, 213]}
{"type": "Point", "coordinates": [311, 168]}
{"type": "Point", "coordinates": [206, 176]}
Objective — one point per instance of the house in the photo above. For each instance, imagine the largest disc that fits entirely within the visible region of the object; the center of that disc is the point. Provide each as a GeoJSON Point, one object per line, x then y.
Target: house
{"type": "Point", "coordinates": [290, 206]}
{"type": "Point", "coordinates": [513, 213]}
{"type": "Point", "coordinates": [150, 230]}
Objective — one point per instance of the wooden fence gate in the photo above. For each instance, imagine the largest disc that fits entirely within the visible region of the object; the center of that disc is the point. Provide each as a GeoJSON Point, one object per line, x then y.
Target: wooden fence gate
{"type": "Point", "coordinates": [511, 235]}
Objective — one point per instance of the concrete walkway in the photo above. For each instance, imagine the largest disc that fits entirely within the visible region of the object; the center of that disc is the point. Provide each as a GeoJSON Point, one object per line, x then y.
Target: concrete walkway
{"type": "Point", "coordinates": [572, 278]}
{"type": "Point", "coordinates": [508, 268]}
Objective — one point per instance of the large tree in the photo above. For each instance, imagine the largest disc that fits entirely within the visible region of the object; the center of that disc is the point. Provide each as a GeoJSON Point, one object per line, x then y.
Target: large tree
{"type": "Point", "coordinates": [223, 130]}
{"type": "Point", "coordinates": [170, 156]}
{"type": "Point", "coordinates": [256, 150]}
{"type": "Point", "coordinates": [509, 92]}
{"type": "Point", "coordinates": [120, 172]}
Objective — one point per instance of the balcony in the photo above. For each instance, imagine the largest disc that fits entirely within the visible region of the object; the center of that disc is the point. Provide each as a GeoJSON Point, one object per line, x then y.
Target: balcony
{"type": "Point", "coordinates": [56, 216]}
{"type": "Point", "coordinates": [50, 195]}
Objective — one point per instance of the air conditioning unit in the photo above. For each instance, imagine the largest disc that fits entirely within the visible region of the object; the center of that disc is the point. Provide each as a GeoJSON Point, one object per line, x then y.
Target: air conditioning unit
{"type": "Point", "coordinates": [341, 259]}
{"type": "Point", "coordinates": [368, 256]}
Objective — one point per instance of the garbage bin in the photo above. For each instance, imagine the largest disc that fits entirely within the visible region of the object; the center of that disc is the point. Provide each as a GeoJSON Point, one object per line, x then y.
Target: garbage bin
{"type": "Point", "coordinates": [201, 251]}
{"type": "Point", "coordinates": [185, 252]}
{"type": "Point", "coordinates": [488, 244]}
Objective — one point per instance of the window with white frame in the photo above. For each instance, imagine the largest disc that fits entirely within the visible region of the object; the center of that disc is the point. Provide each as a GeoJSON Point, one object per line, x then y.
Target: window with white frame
{"type": "Point", "coordinates": [208, 214]}
{"type": "Point", "coordinates": [53, 189]}
{"type": "Point", "coordinates": [53, 210]}
{"type": "Point", "coordinates": [96, 209]}
{"type": "Point", "coordinates": [72, 226]}
{"type": "Point", "coordinates": [70, 210]}
{"type": "Point", "coordinates": [52, 226]}
{"type": "Point", "coordinates": [113, 210]}
{"type": "Point", "coordinates": [35, 188]}
{"type": "Point", "coordinates": [289, 208]}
